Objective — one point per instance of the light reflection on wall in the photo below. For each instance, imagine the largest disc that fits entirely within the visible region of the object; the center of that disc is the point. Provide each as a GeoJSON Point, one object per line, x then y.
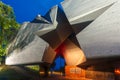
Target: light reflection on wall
{"type": "Point", "coordinates": [72, 53]}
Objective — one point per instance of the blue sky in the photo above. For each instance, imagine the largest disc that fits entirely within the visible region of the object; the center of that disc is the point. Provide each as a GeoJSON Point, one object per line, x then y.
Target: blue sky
{"type": "Point", "coordinates": [26, 10]}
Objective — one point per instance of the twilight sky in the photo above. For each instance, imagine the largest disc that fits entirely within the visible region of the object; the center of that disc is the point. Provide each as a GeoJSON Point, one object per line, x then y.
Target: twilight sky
{"type": "Point", "coordinates": [26, 10]}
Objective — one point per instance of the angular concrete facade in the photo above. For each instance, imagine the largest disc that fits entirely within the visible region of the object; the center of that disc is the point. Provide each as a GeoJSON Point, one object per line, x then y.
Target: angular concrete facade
{"type": "Point", "coordinates": [101, 37]}
{"type": "Point", "coordinates": [85, 30]}
{"type": "Point", "coordinates": [61, 28]}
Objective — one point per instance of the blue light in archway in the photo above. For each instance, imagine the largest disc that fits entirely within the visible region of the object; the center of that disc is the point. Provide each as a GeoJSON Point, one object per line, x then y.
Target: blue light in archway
{"type": "Point", "coordinates": [59, 63]}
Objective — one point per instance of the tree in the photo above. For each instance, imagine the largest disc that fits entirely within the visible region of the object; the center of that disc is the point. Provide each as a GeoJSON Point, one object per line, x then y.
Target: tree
{"type": "Point", "coordinates": [8, 26]}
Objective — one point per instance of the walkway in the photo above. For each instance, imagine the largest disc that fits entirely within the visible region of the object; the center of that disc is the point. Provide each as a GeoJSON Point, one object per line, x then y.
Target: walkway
{"type": "Point", "coordinates": [58, 76]}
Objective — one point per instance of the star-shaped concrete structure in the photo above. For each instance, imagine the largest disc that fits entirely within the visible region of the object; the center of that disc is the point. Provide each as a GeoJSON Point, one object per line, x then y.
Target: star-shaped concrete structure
{"type": "Point", "coordinates": [83, 32]}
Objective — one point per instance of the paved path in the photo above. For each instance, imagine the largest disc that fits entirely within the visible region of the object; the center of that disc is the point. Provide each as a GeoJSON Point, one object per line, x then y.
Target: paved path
{"type": "Point", "coordinates": [58, 76]}
{"type": "Point", "coordinates": [34, 76]}
{"type": "Point", "coordinates": [26, 72]}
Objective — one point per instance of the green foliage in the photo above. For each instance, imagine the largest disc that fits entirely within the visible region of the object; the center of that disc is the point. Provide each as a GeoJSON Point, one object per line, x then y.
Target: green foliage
{"type": "Point", "coordinates": [8, 26]}
{"type": "Point", "coordinates": [2, 51]}
{"type": "Point", "coordinates": [34, 67]}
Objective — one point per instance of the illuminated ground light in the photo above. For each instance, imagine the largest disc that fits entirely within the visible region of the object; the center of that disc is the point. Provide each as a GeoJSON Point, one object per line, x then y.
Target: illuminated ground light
{"type": "Point", "coordinates": [117, 71]}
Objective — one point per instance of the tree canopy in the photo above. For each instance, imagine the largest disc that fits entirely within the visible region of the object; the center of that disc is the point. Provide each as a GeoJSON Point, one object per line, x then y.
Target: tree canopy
{"type": "Point", "coordinates": [8, 26]}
